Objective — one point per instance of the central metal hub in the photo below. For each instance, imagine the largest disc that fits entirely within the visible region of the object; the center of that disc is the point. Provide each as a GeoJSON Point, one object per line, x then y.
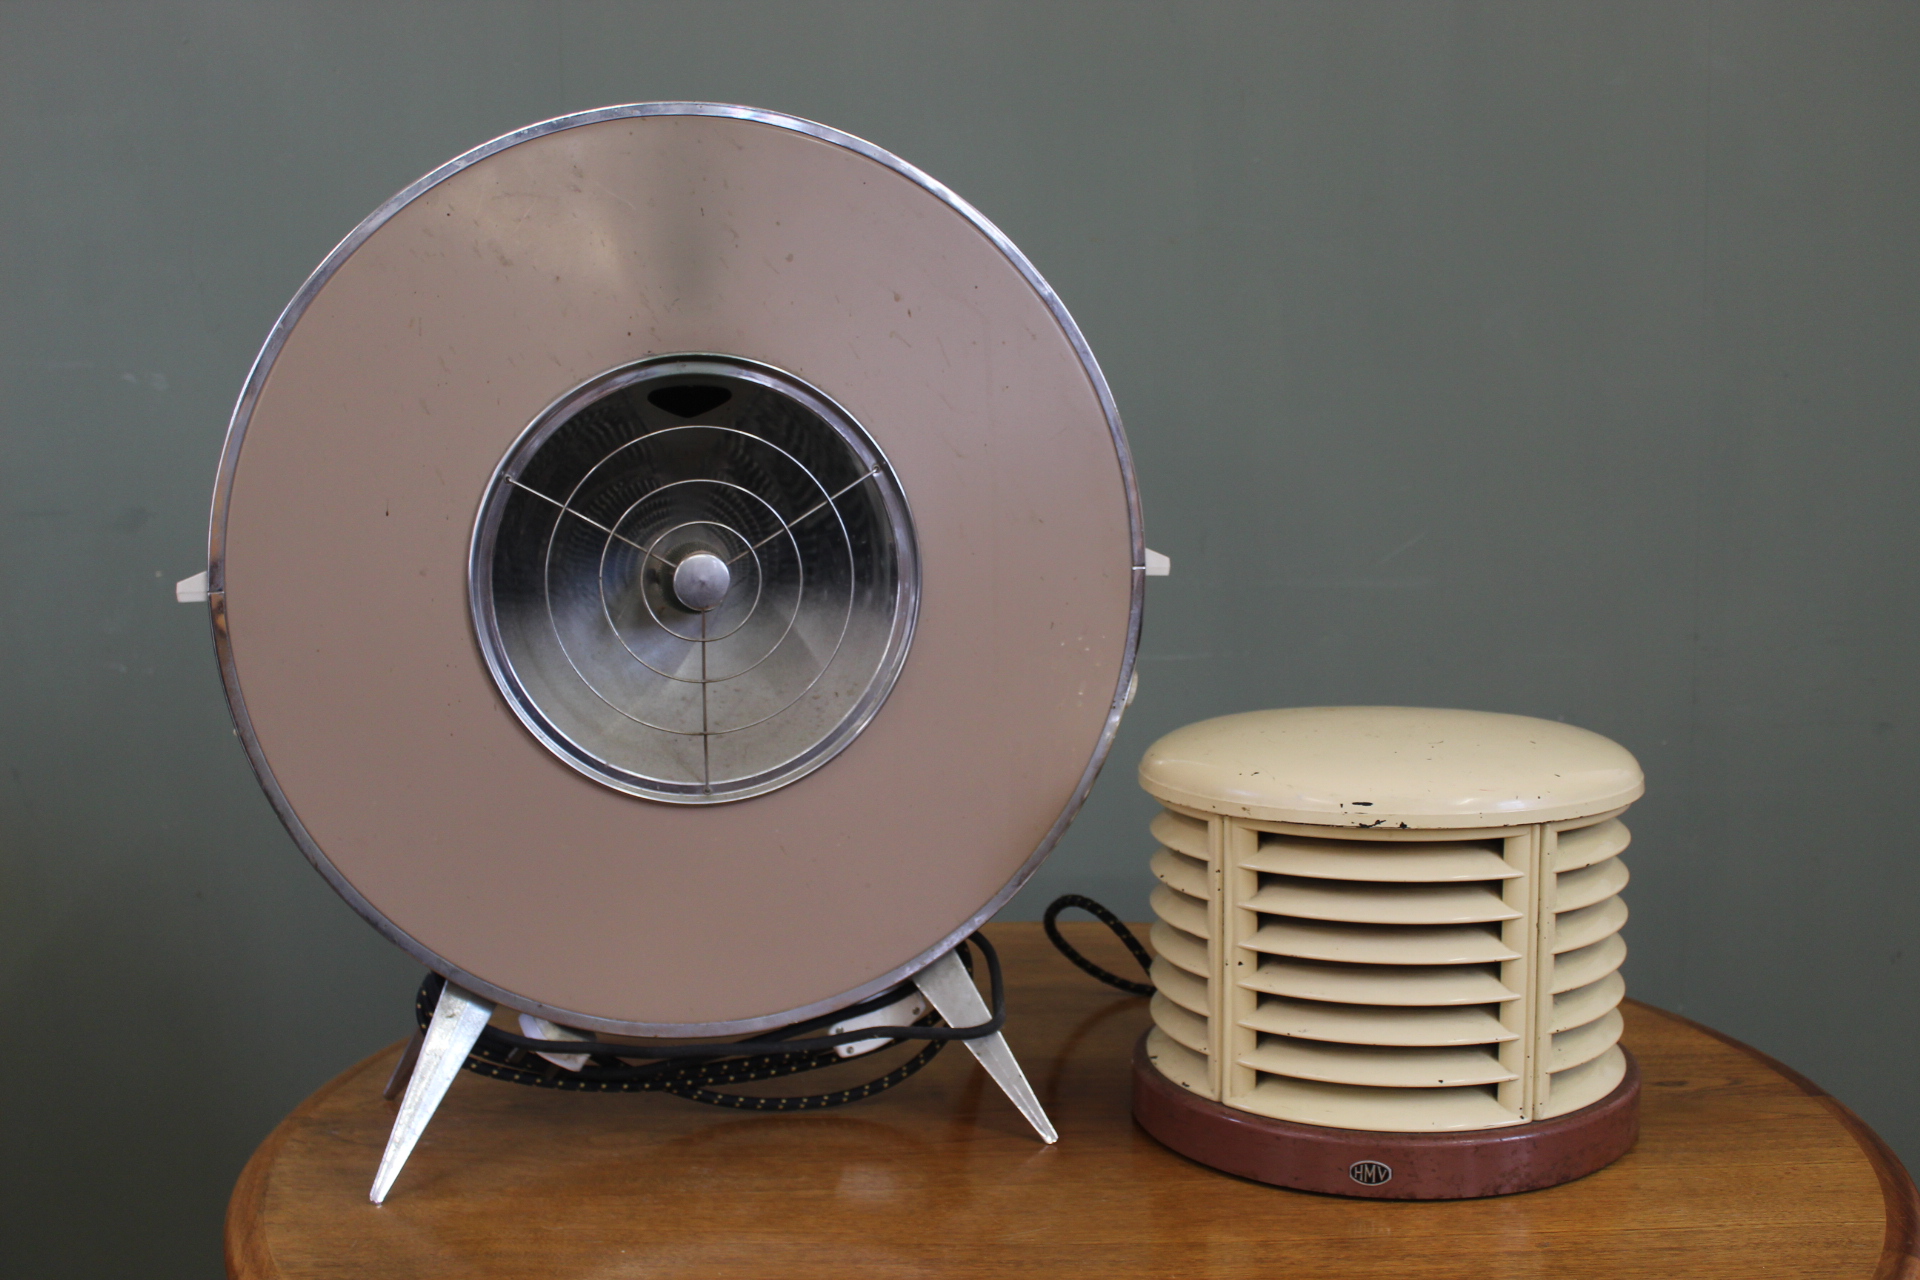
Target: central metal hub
{"type": "Point", "coordinates": [700, 581]}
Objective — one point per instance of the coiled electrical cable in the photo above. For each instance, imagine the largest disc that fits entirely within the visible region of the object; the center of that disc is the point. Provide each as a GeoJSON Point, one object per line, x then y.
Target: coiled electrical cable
{"type": "Point", "coordinates": [690, 1070]}
{"type": "Point", "coordinates": [1113, 922]}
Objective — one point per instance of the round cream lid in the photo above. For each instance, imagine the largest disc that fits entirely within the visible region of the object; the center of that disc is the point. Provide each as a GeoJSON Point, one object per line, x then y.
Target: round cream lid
{"type": "Point", "coordinates": [1417, 767]}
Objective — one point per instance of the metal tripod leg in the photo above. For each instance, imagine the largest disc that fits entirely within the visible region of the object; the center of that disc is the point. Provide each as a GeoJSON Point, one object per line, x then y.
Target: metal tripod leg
{"type": "Point", "coordinates": [457, 1022]}
{"type": "Point", "coordinates": [949, 989]}
{"type": "Point", "coordinates": [403, 1069]}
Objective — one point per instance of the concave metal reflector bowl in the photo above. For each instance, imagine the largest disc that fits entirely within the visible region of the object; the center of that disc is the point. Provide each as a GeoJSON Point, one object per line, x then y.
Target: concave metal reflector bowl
{"type": "Point", "coordinates": [694, 580]}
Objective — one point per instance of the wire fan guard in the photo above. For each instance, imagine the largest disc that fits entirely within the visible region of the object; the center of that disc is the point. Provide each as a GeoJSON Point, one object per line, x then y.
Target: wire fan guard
{"type": "Point", "coordinates": [694, 578]}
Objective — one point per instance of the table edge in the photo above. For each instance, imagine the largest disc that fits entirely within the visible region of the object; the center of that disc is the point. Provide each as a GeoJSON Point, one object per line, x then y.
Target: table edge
{"type": "Point", "coordinates": [1900, 1246]}
{"type": "Point", "coordinates": [247, 1255]}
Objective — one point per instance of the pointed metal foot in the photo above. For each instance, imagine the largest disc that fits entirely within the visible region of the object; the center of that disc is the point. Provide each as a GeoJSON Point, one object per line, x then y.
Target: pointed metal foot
{"type": "Point", "coordinates": [949, 988]}
{"type": "Point", "coordinates": [457, 1022]}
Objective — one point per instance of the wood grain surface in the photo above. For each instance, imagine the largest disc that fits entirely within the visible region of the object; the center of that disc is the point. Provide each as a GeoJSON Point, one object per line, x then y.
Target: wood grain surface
{"type": "Point", "coordinates": [1743, 1169]}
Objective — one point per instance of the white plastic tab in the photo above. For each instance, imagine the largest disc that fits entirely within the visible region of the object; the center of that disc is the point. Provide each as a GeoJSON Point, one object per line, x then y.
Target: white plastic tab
{"type": "Point", "coordinates": [901, 1013]}
{"type": "Point", "coordinates": [1158, 566]}
{"type": "Point", "coordinates": [194, 590]}
{"type": "Point", "coordinates": [540, 1029]}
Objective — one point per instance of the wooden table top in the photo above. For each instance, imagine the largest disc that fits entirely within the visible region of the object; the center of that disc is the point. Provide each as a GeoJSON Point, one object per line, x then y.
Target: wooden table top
{"type": "Point", "coordinates": [1743, 1168]}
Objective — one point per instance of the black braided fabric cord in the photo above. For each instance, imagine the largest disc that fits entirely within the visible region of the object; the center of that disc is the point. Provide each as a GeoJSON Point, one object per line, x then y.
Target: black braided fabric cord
{"type": "Point", "coordinates": [693, 1079]}
{"type": "Point", "coordinates": [603, 1073]}
{"type": "Point", "coordinates": [1112, 922]}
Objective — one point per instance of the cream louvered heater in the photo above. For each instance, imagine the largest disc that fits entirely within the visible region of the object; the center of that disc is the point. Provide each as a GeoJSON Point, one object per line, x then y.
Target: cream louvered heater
{"type": "Point", "coordinates": [1388, 950]}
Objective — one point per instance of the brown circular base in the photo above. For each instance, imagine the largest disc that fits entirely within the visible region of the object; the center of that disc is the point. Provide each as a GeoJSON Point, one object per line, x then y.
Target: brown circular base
{"type": "Point", "coordinates": [1419, 1166]}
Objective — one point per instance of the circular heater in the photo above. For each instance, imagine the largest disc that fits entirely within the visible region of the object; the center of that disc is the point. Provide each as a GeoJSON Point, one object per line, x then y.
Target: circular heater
{"type": "Point", "coordinates": [676, 570]}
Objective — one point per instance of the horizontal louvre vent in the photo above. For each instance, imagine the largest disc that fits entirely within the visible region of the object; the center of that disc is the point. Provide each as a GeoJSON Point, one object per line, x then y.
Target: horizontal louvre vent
{"type": "Point", "coordinates": [1180, 873]}
{"type": "Point", "coordinates": [1587, 925]}
{"type": "Point", "coordinates": [1340, 1106]}
{"type": "Point", "coordinates": [1183, 911]}
{"type": "Point", "coordinates": [1589, 885]}
{"type": "Point", "coordinates": [1183, 949]}
{"type": "Point", "coordinates": [1189, 1029]}
{"type": "Point", "coordinates": [1177, 1062]}
{"type": "Point", "coordinates": [1182, 972]}
{"type": "Point", "coordinates": [1584, 1004]}
{"type": "Point", "coordinates": [1375, 968]}
{"type": "Point", "coordinates": [1373, 1065]}
{"type": "Point", "coordinates": [1585, 1085]}
{"type": "Point", "coordinates": [1583, 965]}
{"type": "Point", "coordinates": [1364, 1024]}
{"type": "Point", "coordinates": [1181, 834]}
{"type": "Point", "coordinates": [1378, 944]}
{"type": "Point", "coordinates": [1583, 1044]}
{"type": "Point", "coordinates": [1181, 987]}
{"type": "Point", "coordinates": [1588, 845]}
{"type": "Point", "coordinates": [1583, 1055]}
{"type": "Point", "coordinates": [1383, 982]}
{"type": "Point", "coordinates": [1424, 862]}
{"type": "Point", "coordinates": [1360, 903]}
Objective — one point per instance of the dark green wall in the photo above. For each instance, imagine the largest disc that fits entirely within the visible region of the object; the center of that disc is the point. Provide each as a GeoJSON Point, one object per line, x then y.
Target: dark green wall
{"type": "Point", "coordinates": [1548, 358]}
